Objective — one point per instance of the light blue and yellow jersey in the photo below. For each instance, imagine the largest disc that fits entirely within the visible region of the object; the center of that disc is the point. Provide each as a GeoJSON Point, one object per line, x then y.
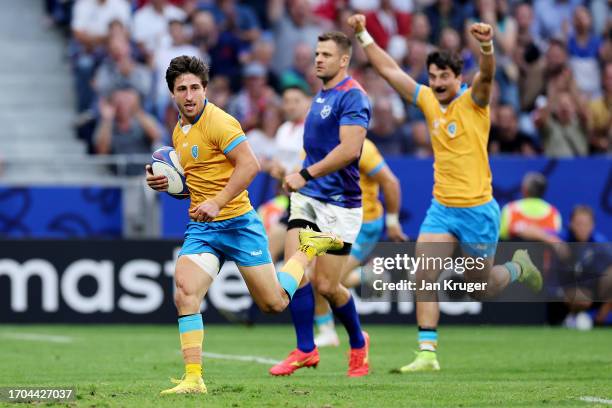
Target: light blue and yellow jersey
{"type": "Point", "coordinates": [459, 135]}
{"type": "Point", "coordinates": [201, 149]}
{"type": "Point", "coordinates": [370, 163]}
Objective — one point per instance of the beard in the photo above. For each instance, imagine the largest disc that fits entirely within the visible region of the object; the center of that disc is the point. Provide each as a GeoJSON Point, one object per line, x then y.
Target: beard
{"type": "Point", "coordinates": [325, 78]}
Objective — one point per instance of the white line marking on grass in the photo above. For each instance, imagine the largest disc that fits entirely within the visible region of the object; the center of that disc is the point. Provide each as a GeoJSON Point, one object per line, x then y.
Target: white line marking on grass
{"type": "Point", "coordinates": [234, 357]}
{"type": "Point", "coordinates": [596, 400]}
{"type": "Point", "coordinates": [37, 337]}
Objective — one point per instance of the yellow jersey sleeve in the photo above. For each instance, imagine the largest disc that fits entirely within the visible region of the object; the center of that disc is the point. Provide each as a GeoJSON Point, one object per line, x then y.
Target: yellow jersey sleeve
{"type": "Point", "coordinates": [227, 132]}
{"type": "Point", "coordinates": [370, 163]}
{"type": "Point", "coordinates": [425, 100]}
{"type": "Point", "coordinates": [371, 160]}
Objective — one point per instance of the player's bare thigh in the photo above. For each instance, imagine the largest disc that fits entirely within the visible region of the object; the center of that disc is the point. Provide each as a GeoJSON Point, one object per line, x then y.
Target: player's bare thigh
{"type": "Point", "coordinates": [431, 246]}
{"type": "Point", "coordinates": [435, 245]}
{"type": "Point", "coordinates": [192, 283]}
{"type": "Point", "coordinates": [264, 287]}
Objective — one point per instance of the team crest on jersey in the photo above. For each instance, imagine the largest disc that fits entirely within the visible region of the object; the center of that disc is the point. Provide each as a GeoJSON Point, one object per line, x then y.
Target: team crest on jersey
{"type": "Point", "coordinates": [325, 111]}
{"type": "Point", "coordinates": [452, 129]}
{"type": "Point", "coordinates": [194, 151]}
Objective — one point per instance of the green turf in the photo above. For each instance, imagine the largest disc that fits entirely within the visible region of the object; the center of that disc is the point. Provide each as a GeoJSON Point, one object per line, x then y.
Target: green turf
{"type": "Point", "coordinates": [481, 367]}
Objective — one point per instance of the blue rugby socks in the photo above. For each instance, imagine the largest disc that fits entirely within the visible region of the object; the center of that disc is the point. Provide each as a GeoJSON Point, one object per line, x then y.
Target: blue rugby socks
{"type": "Point", "coordinates": [302, 308]}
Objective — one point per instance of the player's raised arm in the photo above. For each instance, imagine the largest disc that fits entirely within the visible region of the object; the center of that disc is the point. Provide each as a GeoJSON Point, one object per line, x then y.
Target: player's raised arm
{"type": "Point", "coordinates": [381, 61]}
{"type": "Point", "coordinates": [483, 81]}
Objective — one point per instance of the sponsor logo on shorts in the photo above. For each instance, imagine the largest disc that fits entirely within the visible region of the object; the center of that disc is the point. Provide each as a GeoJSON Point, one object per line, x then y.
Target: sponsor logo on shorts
{"type": "Point", "coordinates": [256, 253]}
{"type": "Point", "coordinates": [330, 219]}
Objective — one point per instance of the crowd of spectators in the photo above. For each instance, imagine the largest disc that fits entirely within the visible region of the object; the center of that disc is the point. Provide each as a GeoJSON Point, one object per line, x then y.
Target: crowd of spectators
{"type": "Point", "coordinates": [552, 94]}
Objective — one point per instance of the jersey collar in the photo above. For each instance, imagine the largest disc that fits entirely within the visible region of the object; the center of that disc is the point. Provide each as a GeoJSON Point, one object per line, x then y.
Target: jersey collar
{"type": "Point", "coordinates": [462, 89]}
{"type": "Point", "coordinates": [180, 118]}
{"type": "Point", "coordinates": [338, 84]}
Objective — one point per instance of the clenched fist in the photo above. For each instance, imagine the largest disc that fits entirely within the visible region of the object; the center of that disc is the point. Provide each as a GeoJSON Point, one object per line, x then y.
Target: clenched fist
{"type": "Point", "coordinates": [357, 22]}
{"type": "Point", "coordinates": [482, 32]}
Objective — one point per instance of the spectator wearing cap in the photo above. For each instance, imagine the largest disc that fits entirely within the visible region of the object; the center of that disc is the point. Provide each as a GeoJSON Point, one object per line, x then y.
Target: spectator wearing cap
{"type": "Point", "coordinates": [150, 26]}
{"type": "Point", "coordinates": [531, 218]}
{"type": "Point", "coordinates": [249, 105]}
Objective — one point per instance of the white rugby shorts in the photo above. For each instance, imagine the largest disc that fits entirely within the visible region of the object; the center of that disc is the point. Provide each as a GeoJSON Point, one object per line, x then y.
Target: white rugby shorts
{"type": "Point", "coordinates": [344, 222]}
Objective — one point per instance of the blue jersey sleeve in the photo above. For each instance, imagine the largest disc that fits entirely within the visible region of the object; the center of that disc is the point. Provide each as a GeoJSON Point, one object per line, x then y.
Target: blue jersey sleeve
{"type": "Point", "coordinates": [355, 109]}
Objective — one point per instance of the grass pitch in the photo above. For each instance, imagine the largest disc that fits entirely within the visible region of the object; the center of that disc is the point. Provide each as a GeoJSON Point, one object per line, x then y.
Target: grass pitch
{"type": "Point", "coordinates": [127, 366]}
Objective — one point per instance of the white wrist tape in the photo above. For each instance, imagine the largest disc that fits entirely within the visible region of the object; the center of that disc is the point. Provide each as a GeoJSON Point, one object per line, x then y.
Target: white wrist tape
{"type": "Point", "coordinates": [364, 38]}
{"type": "Point", "coordinates": [486, 47]}
{"type": "Point", "coordinates": [392, 219]}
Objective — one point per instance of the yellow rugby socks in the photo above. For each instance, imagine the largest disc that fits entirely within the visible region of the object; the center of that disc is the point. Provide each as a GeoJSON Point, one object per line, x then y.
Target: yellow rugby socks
{"type": "Point", "coordinates": [191, 330]}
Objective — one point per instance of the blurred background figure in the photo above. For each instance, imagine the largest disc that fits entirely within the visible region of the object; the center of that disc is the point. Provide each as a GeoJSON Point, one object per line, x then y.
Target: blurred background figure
{"type": "Point", "coordinates": [174, 44]}
{"type": "Point", "coordinates": [151, 25]}
{"type": "Point", "coordinates": [600, 115]}
{"type": "Point", "coordinates": [563, 131]}
{"type": "Point", "coordinates": [507, 138]}
{"type": "Point", "coordinates": [583, 48]}
{"type": "Point", "coordinates": [531, 218]}
{"type": "Point", "coordinates": [125, 128]}
{"type": "Point", "coordinates": [90, 26]}
{"type": "Point", "coordinates": [587, 275]}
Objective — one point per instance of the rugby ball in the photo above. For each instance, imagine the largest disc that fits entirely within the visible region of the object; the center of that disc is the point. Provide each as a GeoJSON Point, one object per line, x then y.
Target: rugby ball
{"type": "Point", "coordinates": [166, 163]}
